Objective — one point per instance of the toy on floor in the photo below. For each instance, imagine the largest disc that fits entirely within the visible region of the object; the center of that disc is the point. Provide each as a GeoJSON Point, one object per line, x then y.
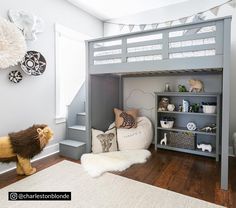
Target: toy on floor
{"type": "Point", "coordinates": [21, 146]}
{"type": "Point", "coordinates": [196, 85]}
{"type": "Point", "coordinates": [205, 147]}
{"type": "Point", "coordinates": [164, 140]}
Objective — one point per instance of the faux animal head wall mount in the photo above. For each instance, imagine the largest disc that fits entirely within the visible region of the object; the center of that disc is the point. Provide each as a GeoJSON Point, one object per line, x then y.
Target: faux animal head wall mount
{"type": "Point", "coordinates": [28, 23]}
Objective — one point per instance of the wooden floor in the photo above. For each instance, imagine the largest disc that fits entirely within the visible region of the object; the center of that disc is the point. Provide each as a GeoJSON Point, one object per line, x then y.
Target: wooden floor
{"type": "Point", "coordinates": [183, 173]}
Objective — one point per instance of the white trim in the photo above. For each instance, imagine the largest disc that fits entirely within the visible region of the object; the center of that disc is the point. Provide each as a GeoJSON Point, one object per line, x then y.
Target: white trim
{"type": "Point", "coordinates": [73, 35]}
{"type": "Point", "coordinates": [59, 120]}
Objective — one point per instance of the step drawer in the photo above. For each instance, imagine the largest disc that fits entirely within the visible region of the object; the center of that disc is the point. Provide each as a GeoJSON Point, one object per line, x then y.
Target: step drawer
{"type": "Point", "coordinates": [72, 149]}
{"type": "Point", "coordinates": [77, 134]}
{"type": "Point", "coordinates": [81, 119]}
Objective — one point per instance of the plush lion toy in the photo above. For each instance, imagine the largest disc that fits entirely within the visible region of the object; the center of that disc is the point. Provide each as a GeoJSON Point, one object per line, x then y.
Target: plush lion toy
{"type": "Point", "coordinates": [24, 145]}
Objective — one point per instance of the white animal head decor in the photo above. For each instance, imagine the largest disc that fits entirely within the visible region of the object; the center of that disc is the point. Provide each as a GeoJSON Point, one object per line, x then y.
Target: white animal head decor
{"type": "Point", "coordinates": [27, 22]}
{"type": "Point", "coordinates": [12, 44]}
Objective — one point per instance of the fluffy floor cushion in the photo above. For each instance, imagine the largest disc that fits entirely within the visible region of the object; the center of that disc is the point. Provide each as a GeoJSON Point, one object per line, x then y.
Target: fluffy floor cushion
{"type": "Point", "coordinates": [97, 164]}
{"type": "Point", "coordinates": [136, 138]}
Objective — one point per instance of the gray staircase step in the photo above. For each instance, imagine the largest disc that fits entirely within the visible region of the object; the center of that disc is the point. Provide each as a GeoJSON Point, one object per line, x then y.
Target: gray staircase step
{"type": "Point", "coordinates": [81, 118]}
{"type": "Point", "coordinates": [77, 132]}
{"type": "Point", "coordinates": [78, 127]}
{"type": "Point", "coordinates": [72, 149]}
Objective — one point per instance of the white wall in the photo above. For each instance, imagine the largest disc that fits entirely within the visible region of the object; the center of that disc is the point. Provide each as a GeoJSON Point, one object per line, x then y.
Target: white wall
{"type": "Point", "coordinates": [175, 12]}
{"type": "Point", "coordinates": [33, 99]}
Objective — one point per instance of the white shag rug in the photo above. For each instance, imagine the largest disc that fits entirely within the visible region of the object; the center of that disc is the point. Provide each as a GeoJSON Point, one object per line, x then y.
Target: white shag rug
{"type": "Point", "coordinates": [107, 191]}
{"type": "Point", "coordinates": [97, 164]}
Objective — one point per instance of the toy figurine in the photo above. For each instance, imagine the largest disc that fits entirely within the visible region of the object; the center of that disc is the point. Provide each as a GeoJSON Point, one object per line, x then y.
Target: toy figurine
{"type": "Point", "coordinates": [205, 147]}
{"type": "Point", "coordinates": [163, 104]}
{"type": "Point", "coordinates": [196, 85]}
{"type": "Point", "coordinates": [164, 140]}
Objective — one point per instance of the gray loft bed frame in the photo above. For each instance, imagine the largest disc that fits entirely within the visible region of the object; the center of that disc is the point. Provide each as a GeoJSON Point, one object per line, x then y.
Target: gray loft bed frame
{"type": "Point", "coordinates": [155, 52]}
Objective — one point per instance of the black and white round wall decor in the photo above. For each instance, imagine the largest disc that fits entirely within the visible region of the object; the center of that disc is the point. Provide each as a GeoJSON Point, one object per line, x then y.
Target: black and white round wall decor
{"type": "Point", "coordinates": [33, 63]}
{"type": "Point", "coordinates": [15, 76]}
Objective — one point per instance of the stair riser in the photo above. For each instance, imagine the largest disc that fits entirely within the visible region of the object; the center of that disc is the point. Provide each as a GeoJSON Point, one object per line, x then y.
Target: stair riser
{"type": "Point", "coordinates": [72, 152]}
{"type": "Point", "coordinates": [77, 135]}
{"type": "Point", "coordinates": [81, 119]}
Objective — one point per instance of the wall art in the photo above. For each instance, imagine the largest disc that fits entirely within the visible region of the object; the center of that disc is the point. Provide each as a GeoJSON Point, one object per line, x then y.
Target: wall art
{"type": "Point", "coordinates": [15, 76]}
{"type": "Point", "coordinates": [33, 63]}
{"type": "Point", "coordinates": [28, 23]}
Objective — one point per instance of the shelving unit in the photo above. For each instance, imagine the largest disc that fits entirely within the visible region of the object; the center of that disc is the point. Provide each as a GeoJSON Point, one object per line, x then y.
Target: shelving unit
{"type": "Point", "coordinates": [182, 118]}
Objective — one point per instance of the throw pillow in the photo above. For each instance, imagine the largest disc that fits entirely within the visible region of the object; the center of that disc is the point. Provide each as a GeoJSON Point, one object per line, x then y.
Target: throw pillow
{"type": "Point", "coordinates": [126, 119]}
{"type": "Point", "coordinates": [104, 141]}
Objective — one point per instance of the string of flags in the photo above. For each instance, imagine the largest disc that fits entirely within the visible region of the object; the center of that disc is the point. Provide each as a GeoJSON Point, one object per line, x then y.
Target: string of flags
{"type": "Point", "coordinates": [195, 18]}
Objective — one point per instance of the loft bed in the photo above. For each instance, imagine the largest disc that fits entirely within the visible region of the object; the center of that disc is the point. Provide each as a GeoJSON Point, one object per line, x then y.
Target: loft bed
{"type": "Point", "coordinates": [193, 48]}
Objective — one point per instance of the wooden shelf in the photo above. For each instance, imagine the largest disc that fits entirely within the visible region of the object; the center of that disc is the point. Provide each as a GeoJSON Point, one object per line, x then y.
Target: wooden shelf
{"type": "Point", "coordinates": [195, 152]}
{"type": "Point", "coordinates": [188, 113]}
{"type": "Point", "coordinates": [188, 94]}
{"type": "Point", "coordinates": [183, 129]}
{"type": "Point", "coordinates": [201, 119]}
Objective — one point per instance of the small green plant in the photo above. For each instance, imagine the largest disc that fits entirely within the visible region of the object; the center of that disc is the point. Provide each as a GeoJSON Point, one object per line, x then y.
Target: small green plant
{"type": "Point", "coordinates": [182, 88]}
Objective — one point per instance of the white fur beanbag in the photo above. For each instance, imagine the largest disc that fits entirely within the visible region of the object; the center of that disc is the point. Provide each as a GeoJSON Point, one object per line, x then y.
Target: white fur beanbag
{"type": "Point", "coordinates": [136, 138]}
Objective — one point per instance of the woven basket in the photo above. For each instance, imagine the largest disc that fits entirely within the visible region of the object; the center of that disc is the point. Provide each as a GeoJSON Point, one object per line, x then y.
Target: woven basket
{"type": "Point", "coordinates": [182, 140]}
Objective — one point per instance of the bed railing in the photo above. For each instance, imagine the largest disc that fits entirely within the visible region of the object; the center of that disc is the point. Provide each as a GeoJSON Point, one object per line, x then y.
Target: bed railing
{"type": "Point", "coordinates": [185, 45]}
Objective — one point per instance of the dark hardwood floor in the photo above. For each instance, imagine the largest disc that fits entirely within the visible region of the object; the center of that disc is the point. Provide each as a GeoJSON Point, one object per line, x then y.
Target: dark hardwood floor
{"type": "Point", "coordinates": [194, 176]}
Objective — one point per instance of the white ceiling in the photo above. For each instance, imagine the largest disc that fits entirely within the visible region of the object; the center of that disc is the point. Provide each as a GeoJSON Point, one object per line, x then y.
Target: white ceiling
{"type": "Point", "coordinates": [110, 9]}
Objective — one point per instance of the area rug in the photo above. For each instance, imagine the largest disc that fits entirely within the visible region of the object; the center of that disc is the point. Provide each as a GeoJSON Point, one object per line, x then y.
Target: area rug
{"type": "Point", "coordinates": [107, 191]}
{"type": "Point", "coordinates": [97, 164]}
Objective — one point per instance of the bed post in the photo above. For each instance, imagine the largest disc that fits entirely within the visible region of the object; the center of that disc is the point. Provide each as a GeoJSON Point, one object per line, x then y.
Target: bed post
{"type": "Point", "coordinates": [226, 106]}
{"type": "Point", "coordinates": [88, 100]}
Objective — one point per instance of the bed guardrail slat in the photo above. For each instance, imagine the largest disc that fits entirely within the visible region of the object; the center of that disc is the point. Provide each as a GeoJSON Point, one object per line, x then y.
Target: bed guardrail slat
{"type": "Point", "coordinates": [144, 53]}
{"type": "Point", "coordinates": [193, 37]}
{"type": "Point", "coordinates": [112, 56]}
{"type": "Point", "coordinates": [192, 48]}
{"type": "Point", "coordinates": [145, 43]}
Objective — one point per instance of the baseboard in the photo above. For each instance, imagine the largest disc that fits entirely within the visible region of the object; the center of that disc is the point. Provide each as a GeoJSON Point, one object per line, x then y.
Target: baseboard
{"type": "Point", "coordinates": [49, 150]}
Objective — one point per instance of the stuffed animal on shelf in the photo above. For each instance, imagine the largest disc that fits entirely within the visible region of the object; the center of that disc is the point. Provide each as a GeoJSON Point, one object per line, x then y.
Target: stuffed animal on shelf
{"type": "Point", "coordinates": [205, 147]}
{"type": "Point", "coordinates": [21, 146]}
{"type": "Point", "coordinates": [210, 128]}
{"type": "Point", "coordinates": [163, 104]}
{"type": "Point", "coordinates": [164, 140]}
{"type": "Point", "coordinates": [196, 85]}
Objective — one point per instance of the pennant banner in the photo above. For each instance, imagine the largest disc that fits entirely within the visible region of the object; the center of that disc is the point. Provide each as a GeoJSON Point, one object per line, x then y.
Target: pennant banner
{"type": "Point", "coordinates": [215, 10]}
{"type": "Point", "coordinates": [183, 20]}
{"type": "Point", "coordinates": [154, 26]}
{"type": "Point", "coordinates": [121, 26]}
{"type": "Point", "coordinates": [131, 27]}
{"type": "Point", "coordinates": [168, 24]}
{"type": "Point", "coordinates": [142, 27]}
{"type": "Point", "coordinates": [194, 18]}
{"type": "Point", "coordinates": [232, 3]}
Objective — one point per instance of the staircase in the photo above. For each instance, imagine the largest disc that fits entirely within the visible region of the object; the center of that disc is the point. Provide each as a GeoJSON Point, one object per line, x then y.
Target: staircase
{"type": "Point", "coordinates": [76, 136]}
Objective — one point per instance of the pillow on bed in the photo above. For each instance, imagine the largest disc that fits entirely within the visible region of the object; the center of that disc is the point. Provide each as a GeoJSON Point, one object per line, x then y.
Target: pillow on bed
{"type": "Point", "coordinates": [126, 119]}
{"type": "Point", "coordinates": [104, 141]}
